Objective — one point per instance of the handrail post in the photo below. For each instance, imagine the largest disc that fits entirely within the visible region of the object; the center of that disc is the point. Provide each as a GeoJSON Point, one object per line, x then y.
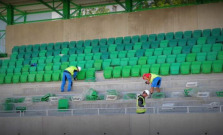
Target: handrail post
{"type": "Point", "coordinates": [188, 109]}
{"type": "Point", "coordinates": [46, 112]}
{"type": "Point", "coordinates": [72, 112]}
{"type": "Point", "coordinates": [98, 111]}
{"type": "Point", "coordinates": [125, 110]}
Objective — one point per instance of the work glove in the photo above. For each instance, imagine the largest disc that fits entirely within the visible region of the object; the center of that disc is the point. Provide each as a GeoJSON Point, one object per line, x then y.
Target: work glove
{"type": "Point", "coordinates": [75, 79]}
{"type": "Point", "coordinates": [146, 82]}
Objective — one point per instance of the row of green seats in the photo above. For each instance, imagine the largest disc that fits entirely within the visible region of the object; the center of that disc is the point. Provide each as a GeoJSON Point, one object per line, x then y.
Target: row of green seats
{"type": "Point", "coordinates": [119, 54]}
{"type": "Point", "coordinates": [164, 69]}
{"type": "Point", "coordinates": [120, 40]}
{"type": "Point", "coordinates": [42, 76]}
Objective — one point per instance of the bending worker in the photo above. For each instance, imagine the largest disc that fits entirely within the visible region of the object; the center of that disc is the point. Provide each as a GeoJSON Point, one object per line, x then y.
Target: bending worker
{"type": "Point", "coordinates": [154, 80]}
{"type": "Point", "coordinates": [141, 102]}
{"type": "Point", "coordinates": [67, 75]}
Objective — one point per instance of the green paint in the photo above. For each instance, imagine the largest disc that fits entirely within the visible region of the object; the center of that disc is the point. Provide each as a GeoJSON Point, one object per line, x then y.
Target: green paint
{"type": "Point", "coordinates": [10, 15]}
{"type": "Point", "coordinates": [128, 4]}
{"type": "Point", "coordinates": [66, 9]}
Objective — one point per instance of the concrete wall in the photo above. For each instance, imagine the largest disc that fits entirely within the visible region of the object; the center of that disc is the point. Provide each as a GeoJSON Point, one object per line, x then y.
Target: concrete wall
{"type": "Point", "coordinates": [145, 22]}
{"type": "Point", "coordinates": [156, 124]}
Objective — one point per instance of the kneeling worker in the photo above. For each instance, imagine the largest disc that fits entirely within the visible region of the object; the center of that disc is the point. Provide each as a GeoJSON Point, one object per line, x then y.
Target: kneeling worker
{"type": "Point", "coordinates": [67, 75]}
{"type": "Point", "coordinates": [141, 102]}
{"type": "Point", "coordinates": [154, 80]}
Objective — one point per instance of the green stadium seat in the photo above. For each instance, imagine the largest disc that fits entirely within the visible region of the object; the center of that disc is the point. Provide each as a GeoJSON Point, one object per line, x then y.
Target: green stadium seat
{"type": "Point", "coordinates": [80, 57]}
{"type": "Point", "coordinates": [211, 40]}
{"type": "Point", "coordinates": [111, 41]}
{"type": "Point", "coordinates": [18, 70]}
{"type": "Point", "coordinates": [120, 47]}
{"type": "Point", "coordinates": [155, 44]}
{"type": "Point", "coordinates": [5, 63]}
{"type": "Point", "coordinates": [160, 36]}
{"type": "Point", "coordinates": [57, 46]}
{"type": "Point", "coordinates": [118, 40]}
{"type": "Point", "coordinates": [152, 60]}
{"type": "Point", "coordinates": [219, 39]}
{"type": "Point", "coordinates": [191, 41]}
{"type": "Point", "coordinates": [185, 68]}
{"type": "Point", "coordinates": [103, 41]}
{"type": "Point", "coordinates": [106, 63]}
{"type": "Point", "coordinates": [80, 64]}
{"type": "Point", "coordinates": [56, 52]}
{"type": "Point", "coordinates": [216, 32]}
{"type": "Point", "coordinates": [169, 36]}
{"type": "Point", "coordinates": [90, 73]}
{"type": "Point", "coordinates": [56, 67]}
{"type": "Point", "coordinates": [2, 78]}
{"type": "Point", "coordinates": [73, 63]}
{"type": "Point", "coordinates": [25, 68]}
{"type": "Point", "coordinates": [197, 33]}
{"type": "Point", "coordinates": [48, 67]}
{"type": "Point", "coordinates": [201, 40]}
{"type": "Point", "coordinates": [35, 54]}
{"type": "Point", "coordinates": [42, 54]}
{"type": "Point", "coordinates": [40, 67]}
{"type": "Point", "coordinates": [133, 61]}
{"type": "Point", "coordinates": [173, 42]}
{"type": "Point", "coordinates": [24, 78]}
{"type": "Point", "coordinates": [220, 55]}
{"type": "Point", "coordinates": [145, 69]}
{"type": "Point", "coordinates": [56, 59]}
{"type": "Point", "coordinates": [22, 49]}
{"type": "Point", "coordinates": [72, 44]}
{"type": "Point", "coordinates": [135, 39]}
{"type": "Point", "coordinates": [206, 48]}
{"type": "Point", "coordinates": [15, 49]}
{"type": "Point", "coordinates": [137, 46]}
{"type": "Point", "coordinates": [201, 57]}
{"type": "Point", "coordinates": [164, 43]}
{"type": "Point", "coordinates": [127, 40]}
{"type": "Point", "coordinates": [87, 43]}
{"type": "Point", "coordinates": [175, 68]}
{"type": "Point", "coordinates": [79, 44]}
{"type": "Point", "coordinates": [115, 62]}
{"type": "Point", "coordinates": [29, 48]}
{"type": "Point", "coordinates": [217, 66]}
{"type": "Point", "coordinates": [97, 56]}
{"type": "Point", "coordinates": [131, 53]}
{"type": "Point", "coordinates": [206, 33]}
{"type": "Point", "coordinates": [49, 59]}
{"type": "Point", "coordinates": [165, 69]}
{"type": "Point", "coordinates": [80, 50]}
{"type": "Point", "coordinates": [191, 57]}
{"type": "Point", "coordinates": [206, 67]}
{"type": "Point", "coordinates": [65, 58]}
{"type": "Point", "coordinates": [8, 79]}
{"type": "Point", "coordinates": [124, 62]}
{"type": "Point", "coordinates": [20, 55]}
{"type": "Point", "coordinates": [10, 70]}
{"type": "Point", "coordinates": [26, 62]}
{"type": "Point", "coordinates": [16, 78]}
{"type": "Point", "coordinates": [39, 77]}
{"type": "Point", "coordinates": [50, 46]}
{"type": "Point", "coordinates": [14, 56]}
{"type": "Point", "coordinates": [72, 51]}
{"type": "Point", "coordinates": [217, 47]}
{"type": "Point", "coordinates": [98, 65]}
{"type": "Point", "coordinates": [12, 63]}
{"type": "Point", "coordinates": [161, 59]}
{"type": "Point", "coordinates": [103, 48]}
{"type": "Point", "coordinates": [135, 71]}
{"type": "Point", "coordinates": [140, 53]}
{"type": "Point", "coordinates": [81, 75]}
{"type": "Point", "coordinates": [158, 51]}
{"type": "Point", "coordinates": [88, 56]}
{"type": "Point", "coordinates": [41, 60]}
{"type": "Point", "coordinates": [55, 76]}
{"type": "Point", "coordinates": [43, 46]}
{"type": "Point", "coordinates": [145, 45]}
{"type": "Point", "coordinates": [186, 49]}
{"type": "Point", "coordinates": [196, 67]}
{"type": "Point", "coordinates": [178, 35]}
{"type": "Point", "coordinates": [142, 60]}
{"type": "Point", "coordinates": [171, 58]}
{"type": "Point", "coordinates": [143, 38]}
{"type": "Point", "coordinates": [155, 68]}
{"type": "Point", "coordinates": [196, 48]}
{"type": "Point", "coordinates": [117, 72]}
{"type": "Point", "coordinates": [121, 54]}
{"type": "Point", "coordinates": [108, 73]}
{"type": "Point", "coordinates": [182, 42]}
{"type": "Point", "coordinates": [114, 55]}
{"type": "Point", "coordinates": [65, 45]}
{"type": "Point", "coordinates": [96, 49]}
{"type": "Point", "coordinates": [31, 77]}
{"type": "Point", "coordinates": [65, 51]}
{"type": "Point", "coordinates": [211, 56]}
{"type": "Point", "coordinates": [167, 51]}
{"type": "Point", "coordinates": [47, 77]}
{"type": "Point", "coordinates": [32, 69]}
{"type": "Point", "coordinates": [126, 70]}
{"type": "Point", "coordinates": [128, 46]}
{"type": "Point", "coordinates": [89, 64]}
{"type": "Point", "coordinates": [187, 34]}
{"type": "Point", "coordinates": [112, 47]}
{"type": "Point", "coordinates": [152, 37]}
{"type": "Point", "coordinates": [177, 50]}
{"type": "Point", "coordinates": [49, 53]}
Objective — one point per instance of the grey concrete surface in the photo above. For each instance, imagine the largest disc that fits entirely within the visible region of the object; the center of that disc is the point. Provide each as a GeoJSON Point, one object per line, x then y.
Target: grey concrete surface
{"type": "Point", "coordinates": [145, 124]}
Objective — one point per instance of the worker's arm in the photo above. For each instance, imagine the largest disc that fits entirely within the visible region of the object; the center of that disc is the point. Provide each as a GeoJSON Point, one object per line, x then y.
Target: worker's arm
{"type": "Point", "coordinates": [147, 79]}
{"type": "Point", "coordinates": [75, 75]}
{"type": "Point", "coordinates": [140, 102]}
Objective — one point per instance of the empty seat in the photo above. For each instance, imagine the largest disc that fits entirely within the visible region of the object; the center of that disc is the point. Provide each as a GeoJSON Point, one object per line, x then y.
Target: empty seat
{"type": "Point", "coordinates": [152, 60]}
{"type": "Point", "coordinates": [175, 68]}
{"type": "Point", "coordinates": [182, 42]}
{"type": "Point", "coordinates": [142, 61]}
{"type": "Point", "coordinates": [103, 41]}
{"type": "Point", "coordinates": [128, 46]}
{"type": "Point", "coordinates": [81, 75]}
{"type": "Point", "coordinates": [32, 77]}
{"type": "Point", "coordinates": [192, 41]}
{"type": "Point", "coordinates": [97, 56]}
{"type": "Point", "coordinates": [211, 40]}
{"type": "Point", "coordinates": [133, 61]}
{"type": "Point", "coordinates": [187, 49]}
{"type": "Point", "coordinates": [111, 41]}
{"type": "Point", "coordinates": [127, 40]}
{"type": "Point", "coordinates": [115, 62]}
{"type": "Point", "coordinates": [65, 45]}
{"type": "Point", "coordinates": [169, 36]}
{"type": "Point", "coordinates": [201, 40]}
{"type": "Point", "coordinates": [217, 66]}
{"type": "Point", "coordinates": [55, 76]}
{"type": "Point", "coordinates": [220, 55]}
{"type": "Point", "coordinates": [98, 64]}
{"type": "Point", "coordinates": [161, 36]}
{"type": "Point", "coordinates": [114, 55]}
{"type": "Point", "coordinates": [155, 68]}
{"type": "Point", "coordinates": [135, 39]}
{"type": "Point", "coordinates": [201, 56]}
{"type": "Point", "coordinates": [185, 68]}
{"type": "Point", "coordinates": [120, 47]}
{"type": "Point", "coordinates": [197, 33]}
{"type": "Point", "coordinates": [131, 53]}
{"type": "Point", "coordinates": [173, 42]}
{"type": "Point", "coordinates": [158, 51]}
{"type": "Point", "coordinates": [171, 58]}
{"type": "Point", "coordinates": [177, 50]}
{"type": "Point", "coordinates": [216, 32]}
{"type": "Point", "coordinates": [206, 67]}
{"type": "Point", "coordinates": [206, 48]}
{"type": "Point", "coordinates": [29, 48]}
{"type": "Point", "coordinates": [137, 46]}
{"type": "Point", "coordinates": [161, 59]}
{"type": "Point", "coordinates": [140, 53]}
{"type": "Point", "coordinates": [88, 49]}
{"type": "Point", "coordinates": [196, 67]}
{"type": "Point", "coordinates": [39, 77]}
{"type": "Point", "coordinates": [178, 35]}
{"type": "Point", "coordinates": [106, 63]}
{"type": "Point", "coordinates": [191, 57]}
{"type": "Point", "coordinates": [144, 38]}
{"type": "Point", "coordinates": [187, 34]}
{"type": "Point", "coordinates": [149, 52]}
{"type": "Point", "coordinates": [164, 43]}
{"type": "Point", "coordinates": [96, 49]}
{"type": "Point", "coordinates": [79, 43]}
{"type": "Point", "coordinates": [8, 78]}
{"type": "Point", "coordinates": [152, 37]}
{"type": "Point", "coordinates": [155, 44]}
{"type": "Point", "coordinates": [196, 48]}
{"type": "Point", "coordinates": [103, 48]}
{"type": "Point", "coordinates": [135, 71]}
{"type": "Point", "coordinates": [90, 73]}
{"type": "Point", "coordinates": [124, 62]}
{"type": "Point", "coordinates": [87, 43]}
{"type": "Point", "coordinates": [50, 46]}
{"type": "Point", "coordinates": [108, 73]}
{"type": "Point", "coordinates": [122, 54]}
{"type": "Point", "coordinates": [119, 40]}
{"type": "Point", "coordinates": [167, 51]}
{"type": "Point", "coordinates": [145, 45]}
{"type": "Point", "coordinates": [126, 70]}
{"type": "Point", "coordinates": [112, 47]}
{"type": "Point", "coordinates": [145, 69]}
{"type": "Point", "coordinates": [211, 56]}
{"type": "Point", "coordinates": [181, 58]}
{"type": "Point", "coordinates": [89, 56]}
{"type": "Point", "coordinates": [72, 44]}
{"type": "Point", "coordinates": [206, 33]}
{"type": "Point", "coordinates": [117, 72]}
{"type": "Point", "coordinates": [216, 47]}
{"type": "Point", "coordinates": [165, 69]}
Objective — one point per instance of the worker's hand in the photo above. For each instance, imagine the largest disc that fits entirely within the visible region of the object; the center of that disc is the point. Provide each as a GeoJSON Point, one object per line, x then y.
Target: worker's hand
{"type": "Point", "coordinates": [75, 79]}
{"type": "Point", "coordinates": [146, 82]}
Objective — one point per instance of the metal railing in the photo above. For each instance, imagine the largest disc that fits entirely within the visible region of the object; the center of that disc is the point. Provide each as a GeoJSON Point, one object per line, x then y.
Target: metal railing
{"type": "Point", "coordinates": [111, 111]}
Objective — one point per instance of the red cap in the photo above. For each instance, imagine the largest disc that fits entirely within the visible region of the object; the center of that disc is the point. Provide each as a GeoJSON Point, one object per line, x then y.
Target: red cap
{"type": "Point", "coordinates": [146, 75]}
